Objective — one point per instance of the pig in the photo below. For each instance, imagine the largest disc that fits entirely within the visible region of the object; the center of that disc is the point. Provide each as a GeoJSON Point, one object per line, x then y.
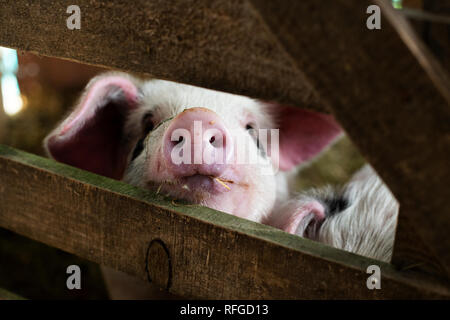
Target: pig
{"type": "Point", "coordinates": [360, 217]}
{"type": "Point", "coordinates": [127, 129]}
{"type": "Point", "coordinates": [130, 129]}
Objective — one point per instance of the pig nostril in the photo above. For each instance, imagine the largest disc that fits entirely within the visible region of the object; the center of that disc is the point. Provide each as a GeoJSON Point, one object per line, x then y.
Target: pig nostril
{"type": "Point", "coordinates": [216, 143]}
{"type": "Point", "coordinates": [180, 140]}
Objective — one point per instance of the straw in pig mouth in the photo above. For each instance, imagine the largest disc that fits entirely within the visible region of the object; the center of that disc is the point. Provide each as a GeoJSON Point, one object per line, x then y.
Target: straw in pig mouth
{"type": "Point", "coordinates": [221, 181]}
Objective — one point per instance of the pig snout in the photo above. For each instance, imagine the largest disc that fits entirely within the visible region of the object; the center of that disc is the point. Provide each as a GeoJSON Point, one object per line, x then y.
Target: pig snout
{"type": "Point", "coordinates": [197, 142]}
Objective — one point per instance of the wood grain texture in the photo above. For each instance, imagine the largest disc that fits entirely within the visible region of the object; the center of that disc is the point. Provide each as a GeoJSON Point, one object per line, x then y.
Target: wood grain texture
{"type": "Point", "coordinates": [191, 251]}
{"type": "Point", "coordinates": [388, 104]}
{"type": "Point", "coordinates": [7, 295]}
{"type": "Point", "coordinates": [218, 44]}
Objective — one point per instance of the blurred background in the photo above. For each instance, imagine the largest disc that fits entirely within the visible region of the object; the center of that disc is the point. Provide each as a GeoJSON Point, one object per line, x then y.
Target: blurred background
{"type": "Point", "coordinates": [36, 92]}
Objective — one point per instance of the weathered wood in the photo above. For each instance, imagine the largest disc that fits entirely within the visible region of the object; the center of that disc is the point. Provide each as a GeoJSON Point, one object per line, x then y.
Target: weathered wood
{"type": "Point", "coordinates": [7, 295]}
{"type": "Point", "coordinates": [219, 44]}
{"type": "Point", "coordinates": [190, 250]}
{"type": "Point", "coordinates": [387, 103]}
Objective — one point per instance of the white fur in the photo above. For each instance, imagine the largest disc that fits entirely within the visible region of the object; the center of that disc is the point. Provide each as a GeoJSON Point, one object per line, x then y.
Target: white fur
{"type": "Point", "coordinates": [366, 226]}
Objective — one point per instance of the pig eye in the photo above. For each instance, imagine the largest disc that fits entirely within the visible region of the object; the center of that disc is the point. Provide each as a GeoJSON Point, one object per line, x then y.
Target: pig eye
{"type": "Point", "coordinates": [147, 125]}
{"type": "Point", "coordinates": [335, 205]}
{"type": "Point", "coordinates": [138, 149]}
{"type": "Point", "coordinates": [250, 127]}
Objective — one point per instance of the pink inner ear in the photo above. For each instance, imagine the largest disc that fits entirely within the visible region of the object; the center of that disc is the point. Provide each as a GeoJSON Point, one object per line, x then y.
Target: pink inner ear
{"type": "Point", "coordinates": [97, 90]}
{"type": "Point", "coordinates": [292, 223]}
{"type": "Point", "coordinates": [303, 135]}
{"type": "Point", "coordinates": [93, 138]}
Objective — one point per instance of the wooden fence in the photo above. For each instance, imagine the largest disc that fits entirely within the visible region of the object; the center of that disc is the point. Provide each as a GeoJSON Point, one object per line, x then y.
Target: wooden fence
{"type": "Point", "coordinates": [388, 92]}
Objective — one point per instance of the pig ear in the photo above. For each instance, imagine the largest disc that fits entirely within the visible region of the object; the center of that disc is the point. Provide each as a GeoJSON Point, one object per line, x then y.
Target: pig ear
{"type": "Point", "coordinates": [92, 137]}
{"type": "Point", "coordinates": [300, 217]}
{"type": "Point", "coordinates": [303, 134]}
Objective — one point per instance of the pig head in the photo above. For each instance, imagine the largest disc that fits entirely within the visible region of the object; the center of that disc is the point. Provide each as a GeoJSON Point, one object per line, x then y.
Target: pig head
{"type": "Point", "coordinates": [151, 133]}
{"type": "Point", "coordinates": [360, 217]}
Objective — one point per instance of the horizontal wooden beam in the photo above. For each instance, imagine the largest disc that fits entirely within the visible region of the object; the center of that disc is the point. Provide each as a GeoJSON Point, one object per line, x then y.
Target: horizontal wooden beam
{"type": "Point", "coordinates": [190, 250]}
{"type": "Point", "coordinates": [7, 295]}
{"type": "Point", "coordinates": [218, 44]}
{"type": "Point", "coordinates": [391, 96]}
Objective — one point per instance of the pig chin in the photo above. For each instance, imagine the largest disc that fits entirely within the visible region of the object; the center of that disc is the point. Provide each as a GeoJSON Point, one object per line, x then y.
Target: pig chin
{"type": "Point", "coordinates": [217, 193]}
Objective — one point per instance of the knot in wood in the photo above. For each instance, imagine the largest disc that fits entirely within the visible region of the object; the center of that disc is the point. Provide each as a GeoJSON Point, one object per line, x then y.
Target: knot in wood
{"type": "Point", "coordinates": [158, 264]}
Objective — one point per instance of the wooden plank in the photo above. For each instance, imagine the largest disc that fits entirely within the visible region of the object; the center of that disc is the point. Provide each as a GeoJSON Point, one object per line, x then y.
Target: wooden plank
{"type": "Point", "coordinates": [219, 44]}
{"type": "Point", "coordinates": [189, 250]}
{"type": "Point", "coordinates": [7, 295]}
{"type": "Point", "coordinates": [392, 99]}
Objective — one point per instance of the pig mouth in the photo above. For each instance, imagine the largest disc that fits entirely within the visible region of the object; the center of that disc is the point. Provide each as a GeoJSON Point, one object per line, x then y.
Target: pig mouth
{"type": "Point", "coordinates": [196, 186]}
{"type": "Point", "coordinates": [224, 193]}
{"type": "Point", "coordinates": [207, 183]}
